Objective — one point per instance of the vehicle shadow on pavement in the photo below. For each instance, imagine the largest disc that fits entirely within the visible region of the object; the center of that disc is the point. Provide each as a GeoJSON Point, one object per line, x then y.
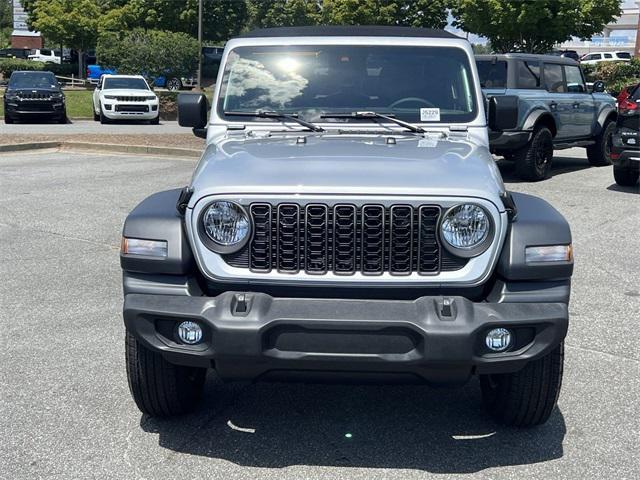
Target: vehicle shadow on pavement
{"type": "Point", "coordinates": [614, 187]}
{"type": "Point", "coordinates": [369, 426]}
{"type": "Point", "coordinates": [559, 166]}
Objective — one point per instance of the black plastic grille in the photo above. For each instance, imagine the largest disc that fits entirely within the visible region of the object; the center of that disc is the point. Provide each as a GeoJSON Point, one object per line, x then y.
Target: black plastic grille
{"type": "Point", "coordinates": [35, 96]}
{"type": "Point", "coordinates": [344, 239]}
{"type": "Point", "coordinates": [288, 238]}
{"type": "Point", "coordinates": [131, 99]}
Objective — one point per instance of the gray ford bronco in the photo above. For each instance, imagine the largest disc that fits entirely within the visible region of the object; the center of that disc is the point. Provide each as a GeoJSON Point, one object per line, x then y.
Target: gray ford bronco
{"type": "Point", "coordinates": [556, 110]}
{"type": "Point", "coordinates": [347, 222]}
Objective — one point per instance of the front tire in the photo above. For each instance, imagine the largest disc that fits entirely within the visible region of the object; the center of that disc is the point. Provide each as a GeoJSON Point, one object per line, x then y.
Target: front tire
{"type": "Point", "coordinates": [625, 177]}
{"type": "Point", "coordinates": [599, 154]}
{"type": "Point", "coordinates": [8, 120]}
{"type": "Point", "coordinates": [527, 397]}
{"type": "Point", "coordinates": [533, 161]}
{"type": "Point", "coordinates": [160, 388]}
{"type": "Point", "coordinates": [103, 118]}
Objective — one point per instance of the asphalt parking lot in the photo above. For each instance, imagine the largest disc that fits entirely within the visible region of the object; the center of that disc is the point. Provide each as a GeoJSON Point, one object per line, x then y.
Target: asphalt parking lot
{"type": "Point", "coordinates": [65, 409]}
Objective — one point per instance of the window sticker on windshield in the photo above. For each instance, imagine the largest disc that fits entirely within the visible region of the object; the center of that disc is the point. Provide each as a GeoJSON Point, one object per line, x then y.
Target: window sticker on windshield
{"type": "Point", "coordinates": [429, 114]}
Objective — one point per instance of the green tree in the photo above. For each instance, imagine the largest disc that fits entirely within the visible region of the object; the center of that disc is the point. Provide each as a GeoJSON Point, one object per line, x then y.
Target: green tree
{"type": "Point", "coordinates": [149, 52]}
{"type": "Point", "coordinates": [282, 13]}
{"type": "Point", "coordinates": [533, 26]}
{"type": "Point", "coordinates": [6, 22]}
{"type": "Point", "coordinates": [412, 13]}
{"type": "Point", "coordinates": [73, 23]}
{"type": "Point", "coordinates": [222, 19]}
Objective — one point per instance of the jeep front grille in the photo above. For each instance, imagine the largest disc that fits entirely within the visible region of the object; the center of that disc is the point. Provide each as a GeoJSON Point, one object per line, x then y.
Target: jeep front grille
{"type": "Point", "coordinates": [345, 239]}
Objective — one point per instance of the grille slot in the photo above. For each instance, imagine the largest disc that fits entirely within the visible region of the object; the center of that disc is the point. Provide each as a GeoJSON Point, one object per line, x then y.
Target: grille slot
{"type": "Point", "coordinates": [288, 235]}
{"type": "Point", "coordinates": [316, 242]}
{"type": "Point", "coordinates": [260, 247]}
{"type": "Point", "coordinates": [428, 246]}
{"type": "Point", "coordinates": [345, 239]}
{"type": "Point", "coordinates": [373, 227]}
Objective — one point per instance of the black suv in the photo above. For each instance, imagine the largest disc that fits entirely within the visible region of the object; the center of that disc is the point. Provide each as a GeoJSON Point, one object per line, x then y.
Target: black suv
{"type": "Point", "coordinates": [34, 95]}
{"type": "Point", "coordinates": [625, 148]}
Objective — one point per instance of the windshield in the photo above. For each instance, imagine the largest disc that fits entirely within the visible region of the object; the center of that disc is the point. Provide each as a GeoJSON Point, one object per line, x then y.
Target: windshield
{"type": "Point", "coordinates": [126, 83]}
{"type": "Point", "coordinates": [414, 84]}
{"type": "Point", "coordinates": [33, 80]}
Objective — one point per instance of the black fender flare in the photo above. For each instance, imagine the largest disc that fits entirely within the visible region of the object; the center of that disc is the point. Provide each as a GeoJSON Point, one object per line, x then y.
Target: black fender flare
{"type": "Point", "coordinates": [535, 116]}
{"type": "Point", "coordinates": [157, 218]}
{"type": "Point", "coordinates": [606, 113]}
{"type": "Point", "coordinates": [537, 224]}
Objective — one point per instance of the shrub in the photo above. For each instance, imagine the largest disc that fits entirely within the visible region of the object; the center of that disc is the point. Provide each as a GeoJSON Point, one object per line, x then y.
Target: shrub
{"type": "Point", "coordinates": [616, 75]}
{"type": "Point", "coordinates": [10, 65]}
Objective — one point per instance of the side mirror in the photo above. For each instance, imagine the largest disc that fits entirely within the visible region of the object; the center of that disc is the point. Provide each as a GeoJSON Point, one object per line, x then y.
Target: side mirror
{"type": "Point", "coordinates": [598, 86]}
{"type": "Point", "coordinates": [503, 112]}
{"type": "Point", "coordinates": [192, 112]}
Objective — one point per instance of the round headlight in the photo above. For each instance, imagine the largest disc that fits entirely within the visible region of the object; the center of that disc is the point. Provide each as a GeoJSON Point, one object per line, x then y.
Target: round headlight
{"type": "Point", "coordinates": [466, 230]}
{"type": "Point", "coordinates": [226, 224]}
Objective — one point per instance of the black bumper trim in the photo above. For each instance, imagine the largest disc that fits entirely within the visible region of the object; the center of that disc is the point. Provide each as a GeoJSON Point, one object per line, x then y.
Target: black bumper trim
{"type": "Point", "coordinates": [627, 158]}
{"type": "Point", "coordinates": [249, 345]}
{"type": "Point", "coordinates": [504, 142]}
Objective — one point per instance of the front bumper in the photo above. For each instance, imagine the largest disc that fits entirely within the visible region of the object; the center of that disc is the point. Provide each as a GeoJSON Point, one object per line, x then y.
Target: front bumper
{"type": "Point", "coordinates": [344, 339]}
{"type": "Point", "coordinates": [26, 108]}
{"type": "Point", "coordinates": [114, 110]}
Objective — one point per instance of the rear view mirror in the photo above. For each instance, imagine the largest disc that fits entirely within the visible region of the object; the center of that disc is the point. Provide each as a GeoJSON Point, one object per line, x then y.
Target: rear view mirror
{"type": "Point", "coordinates": [503, 112]}
{"type": "Point", "coordinates": [193, 111]}
{"type": "Point", "coordinates": [598, 86]}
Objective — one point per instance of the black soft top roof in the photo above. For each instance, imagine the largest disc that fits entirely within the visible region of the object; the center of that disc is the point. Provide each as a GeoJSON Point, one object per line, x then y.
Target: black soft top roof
{"type": "Point", "coordinates": [527, 56]}
{"type": "Point", "coordinates": [348, 31]}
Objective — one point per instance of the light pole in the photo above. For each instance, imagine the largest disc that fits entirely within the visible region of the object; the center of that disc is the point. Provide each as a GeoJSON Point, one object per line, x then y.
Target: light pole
{"type": "Point", "coordinates": [200, 44]}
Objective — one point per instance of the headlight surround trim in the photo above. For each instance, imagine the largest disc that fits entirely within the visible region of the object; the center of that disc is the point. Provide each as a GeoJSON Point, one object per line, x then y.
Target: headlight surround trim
{"type": "Point", "coordinates": [479, 248]}
{"type": "Point", "coordinates": [212, 244]}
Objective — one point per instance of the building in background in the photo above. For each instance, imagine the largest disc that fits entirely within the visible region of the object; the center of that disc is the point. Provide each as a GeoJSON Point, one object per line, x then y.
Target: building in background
{"type": "Point", "coordinates": [620, 35]}
{"type": "Point", "coordinates": [22, 37]}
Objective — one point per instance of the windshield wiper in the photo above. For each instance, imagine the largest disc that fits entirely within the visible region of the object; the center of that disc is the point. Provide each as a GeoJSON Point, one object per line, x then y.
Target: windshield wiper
{"type": "Point", "coordinates": [390, 118]}
{"type": "Point", "coordinates": [280, 115]}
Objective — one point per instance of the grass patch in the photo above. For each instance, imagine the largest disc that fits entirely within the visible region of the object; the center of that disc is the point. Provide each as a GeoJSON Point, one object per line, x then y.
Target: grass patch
{"type": "Point", "coordinates": [79, 103]}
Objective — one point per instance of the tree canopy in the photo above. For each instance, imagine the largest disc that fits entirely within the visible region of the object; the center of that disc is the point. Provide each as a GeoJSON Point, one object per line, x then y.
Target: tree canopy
{"type": "Point", "coordinates": [533, 26]}
{"type": "Point", "coordinates": [152, 53]}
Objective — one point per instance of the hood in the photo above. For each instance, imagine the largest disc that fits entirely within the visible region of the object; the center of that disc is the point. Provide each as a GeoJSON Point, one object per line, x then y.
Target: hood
{"type": "Point", "coordinates": [26, 91]}
{"type": "Point", "coordinates": [348, 164]}
{"type": "Point", "coordinates": [128, 92]}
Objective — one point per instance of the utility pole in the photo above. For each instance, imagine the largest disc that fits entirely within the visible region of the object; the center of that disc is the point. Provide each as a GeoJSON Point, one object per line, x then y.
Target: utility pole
{"type": "Point", "coordinates": [200, 44]}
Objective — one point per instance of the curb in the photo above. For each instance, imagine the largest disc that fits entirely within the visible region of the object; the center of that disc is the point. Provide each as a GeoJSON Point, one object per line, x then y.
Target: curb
{"type": "Point", "coordinates": [104, 147]}
{"type": "Point", "coordinates": [19, 147]}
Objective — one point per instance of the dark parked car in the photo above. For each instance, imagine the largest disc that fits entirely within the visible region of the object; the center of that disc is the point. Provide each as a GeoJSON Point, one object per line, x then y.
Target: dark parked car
{"type": "Point", "coordinates": [556, 110]}
{"type": "Point", "coordinates": [572, 54]}
{"type": "Point", "coordinates": [625, 148]}
{"type": "Point", "coordinates": [22, 53]}
{"type": "Point", "coordinates": [34, 95]}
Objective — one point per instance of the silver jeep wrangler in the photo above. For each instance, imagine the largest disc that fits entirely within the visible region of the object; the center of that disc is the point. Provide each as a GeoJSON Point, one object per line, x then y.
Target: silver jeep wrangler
{"type": "Point", "coordinates": [347, 222]}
